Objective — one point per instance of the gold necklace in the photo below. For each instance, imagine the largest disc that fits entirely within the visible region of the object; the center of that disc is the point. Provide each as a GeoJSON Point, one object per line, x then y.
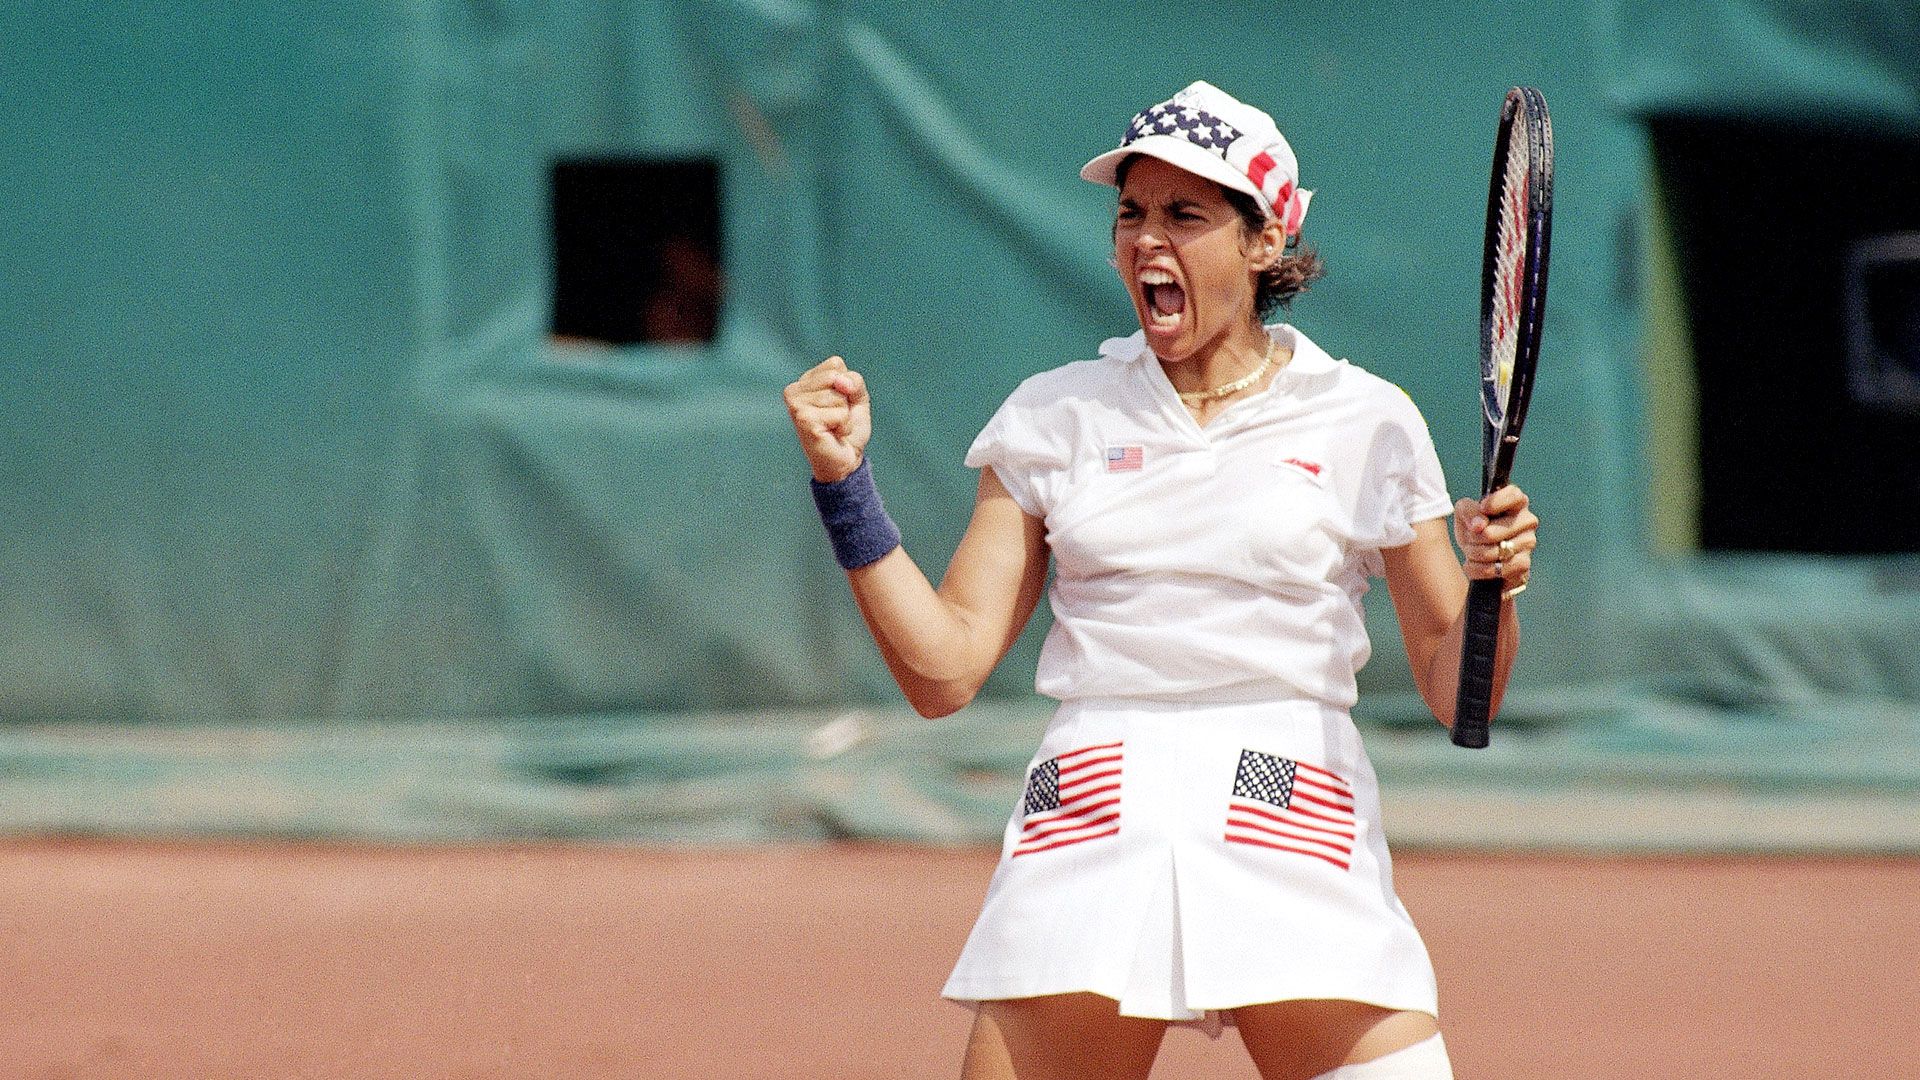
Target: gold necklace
{"type": "Point", "coordinates": [1195, 397]}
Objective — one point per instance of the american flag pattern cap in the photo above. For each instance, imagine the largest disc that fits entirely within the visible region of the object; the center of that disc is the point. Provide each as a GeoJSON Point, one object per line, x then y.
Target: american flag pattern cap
{"type": "Point", "coordinates": [1210, 133]}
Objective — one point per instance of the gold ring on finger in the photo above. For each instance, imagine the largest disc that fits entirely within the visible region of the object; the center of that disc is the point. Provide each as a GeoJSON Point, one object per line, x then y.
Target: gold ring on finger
{"type": "Point", "coordinates": [1506, 549]}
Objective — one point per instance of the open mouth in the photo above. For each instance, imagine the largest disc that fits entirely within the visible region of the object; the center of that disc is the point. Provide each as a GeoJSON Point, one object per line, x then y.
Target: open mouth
{"type": "Point", "coordinates": [1166, 300]}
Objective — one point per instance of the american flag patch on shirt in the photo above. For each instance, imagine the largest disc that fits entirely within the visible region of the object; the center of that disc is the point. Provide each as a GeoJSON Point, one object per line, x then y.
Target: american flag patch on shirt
{"type": "Point", "coordinates": [1291, 806]}
{"type": "Point", "coordinates": [1071, 798]}
{"type": "Point", "coordinates": [1125, 458]}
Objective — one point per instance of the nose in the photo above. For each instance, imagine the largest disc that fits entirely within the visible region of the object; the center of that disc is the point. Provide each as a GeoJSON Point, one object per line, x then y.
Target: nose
{"type": "Point", "coordinates": [1148, 238]}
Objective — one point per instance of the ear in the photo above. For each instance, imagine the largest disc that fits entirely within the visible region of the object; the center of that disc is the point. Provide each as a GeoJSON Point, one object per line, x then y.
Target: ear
{"type": "Point", "coordinates": [1269, 245]}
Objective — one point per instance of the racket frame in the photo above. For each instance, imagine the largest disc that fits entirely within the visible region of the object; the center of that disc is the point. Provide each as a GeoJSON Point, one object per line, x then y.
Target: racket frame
{"type": "Point", "coordinates": [1525, 109]}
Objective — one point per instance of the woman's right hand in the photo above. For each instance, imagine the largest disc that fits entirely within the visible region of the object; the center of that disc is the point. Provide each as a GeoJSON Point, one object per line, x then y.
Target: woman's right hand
{"type": "Point", "coordinates": [832, 416]}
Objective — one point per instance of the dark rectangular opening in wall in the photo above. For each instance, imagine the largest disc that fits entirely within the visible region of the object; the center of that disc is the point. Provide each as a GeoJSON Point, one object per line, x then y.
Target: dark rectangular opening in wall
{"type": "Point", "coordinates": [636, 245]}
{"type": "Point", "coordinates": [1769, 220]}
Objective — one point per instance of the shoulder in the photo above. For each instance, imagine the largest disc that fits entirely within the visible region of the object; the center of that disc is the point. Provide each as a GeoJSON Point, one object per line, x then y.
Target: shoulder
{"type": "Point", "coordinates": [1040, 421]}
{"type": "Point", "coordinates": [1357, 388]}
{"type": "Point", "coordinates": [1075, 385]}
{"type": "Point", "coordinates": [1064, 383]}
{"type": "Point", "coordinates": [1383, 397]}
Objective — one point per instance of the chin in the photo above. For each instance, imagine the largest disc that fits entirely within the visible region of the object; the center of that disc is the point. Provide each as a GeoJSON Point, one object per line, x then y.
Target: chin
{"type": "Point", "coordinates": [1172, 350]}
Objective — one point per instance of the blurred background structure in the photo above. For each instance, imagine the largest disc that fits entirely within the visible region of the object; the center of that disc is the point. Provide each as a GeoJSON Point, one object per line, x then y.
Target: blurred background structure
{"type": "Point", "coordinates": [393, 446]}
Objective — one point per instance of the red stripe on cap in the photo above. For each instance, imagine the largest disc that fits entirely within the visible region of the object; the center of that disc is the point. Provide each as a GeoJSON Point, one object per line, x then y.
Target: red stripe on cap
{"type": "Point", "coordinates": [1286, 209]}
{"type": "Point", "coordinates": [1259, 167]}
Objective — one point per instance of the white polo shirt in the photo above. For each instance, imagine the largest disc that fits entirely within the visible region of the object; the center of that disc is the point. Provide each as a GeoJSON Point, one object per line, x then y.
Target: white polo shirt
{"type": "Point", "coordinates": [1217, 564]}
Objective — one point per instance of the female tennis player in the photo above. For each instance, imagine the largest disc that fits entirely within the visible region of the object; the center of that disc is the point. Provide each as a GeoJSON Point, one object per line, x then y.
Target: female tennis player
{"type": "Point", "coordinates": [1199, 839]}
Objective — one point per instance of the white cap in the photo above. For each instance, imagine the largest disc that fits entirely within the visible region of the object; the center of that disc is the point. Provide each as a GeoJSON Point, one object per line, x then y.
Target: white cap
{"type": "Point", "coordinates": [1212, 134]}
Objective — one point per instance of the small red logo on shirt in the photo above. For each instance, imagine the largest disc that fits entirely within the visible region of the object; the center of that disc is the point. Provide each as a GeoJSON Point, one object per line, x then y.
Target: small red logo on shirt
{"type": "Point", "coordinates": [1309, 467]}
{"type": "Point", "coordinates": [1125, 458]}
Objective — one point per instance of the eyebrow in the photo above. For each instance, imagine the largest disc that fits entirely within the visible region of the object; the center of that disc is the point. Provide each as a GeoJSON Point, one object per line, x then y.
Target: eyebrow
{"type": "Point", "coordinates": [1127, 202]}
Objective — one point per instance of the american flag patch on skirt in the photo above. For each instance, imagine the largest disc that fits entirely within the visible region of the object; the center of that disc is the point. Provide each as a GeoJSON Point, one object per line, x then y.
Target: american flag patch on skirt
{"type": "Point", "coordinates": [1290, 806]}
{"type": "Point", "coordinates": [1071, 798]}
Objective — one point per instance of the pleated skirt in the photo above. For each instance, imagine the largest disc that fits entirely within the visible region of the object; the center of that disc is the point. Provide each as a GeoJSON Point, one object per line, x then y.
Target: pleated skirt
{"type": "Point", "coordinates": [1185, 860]}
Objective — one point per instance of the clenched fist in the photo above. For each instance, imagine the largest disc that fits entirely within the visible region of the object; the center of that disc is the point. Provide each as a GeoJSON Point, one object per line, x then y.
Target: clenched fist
{"type": "Point", "coordinates": [1498, 536]}
{"type": "Point", "coordinates": [832, 417]}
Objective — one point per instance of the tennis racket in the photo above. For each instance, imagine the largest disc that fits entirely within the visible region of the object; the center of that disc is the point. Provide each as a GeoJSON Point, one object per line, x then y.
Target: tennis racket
{"type": "Point", "coordinates": [1513, 297]}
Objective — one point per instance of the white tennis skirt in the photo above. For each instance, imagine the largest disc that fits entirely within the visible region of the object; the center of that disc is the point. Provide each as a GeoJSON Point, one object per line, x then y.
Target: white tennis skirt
{"type": "Point", "coordinates": [1190, 859]}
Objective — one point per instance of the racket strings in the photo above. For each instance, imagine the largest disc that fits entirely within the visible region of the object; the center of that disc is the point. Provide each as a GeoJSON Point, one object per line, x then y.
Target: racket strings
{"type": "Point", "coordinates": [1510, 258]}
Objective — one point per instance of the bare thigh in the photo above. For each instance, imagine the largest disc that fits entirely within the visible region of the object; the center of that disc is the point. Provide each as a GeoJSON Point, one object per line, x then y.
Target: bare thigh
{"type": "Point", "coordinates": [1297, 1040]}
{"type": "Point", "coordinates": [1060, 1037]}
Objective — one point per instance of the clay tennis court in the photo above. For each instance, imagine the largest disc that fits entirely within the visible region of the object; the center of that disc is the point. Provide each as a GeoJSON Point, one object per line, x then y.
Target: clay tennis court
{"type": "Point", "coordinates": [215, 961]}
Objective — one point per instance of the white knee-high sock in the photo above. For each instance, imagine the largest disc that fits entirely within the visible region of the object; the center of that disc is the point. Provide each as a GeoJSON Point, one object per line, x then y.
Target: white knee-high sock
{"type": "Point", "coordinates": [1425, 1060]}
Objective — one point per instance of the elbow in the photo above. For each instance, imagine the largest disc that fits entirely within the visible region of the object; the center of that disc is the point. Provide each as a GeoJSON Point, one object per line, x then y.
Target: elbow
{"type": "Point", "coordinates": [934, 710]}
{"type": "Point", "coordinates": [938, 686]}
{"type": "Point", "coordinates": [1439, 688]}
{"type": "Point", "coordinates": [937, 667]}
{"type": "Point", "coordinates": [1444, 703]}
{"type": "Point", "coordinates": [934, 700]}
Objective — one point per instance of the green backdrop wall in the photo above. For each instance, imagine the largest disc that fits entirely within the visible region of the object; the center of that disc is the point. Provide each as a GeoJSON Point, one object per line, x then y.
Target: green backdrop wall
{"type": "Point", "coordinates": [309, 529]}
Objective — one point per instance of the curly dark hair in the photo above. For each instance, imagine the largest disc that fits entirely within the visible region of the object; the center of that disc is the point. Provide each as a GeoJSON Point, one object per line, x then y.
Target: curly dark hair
{"type": "Point", "coordinates": [1298, 267]}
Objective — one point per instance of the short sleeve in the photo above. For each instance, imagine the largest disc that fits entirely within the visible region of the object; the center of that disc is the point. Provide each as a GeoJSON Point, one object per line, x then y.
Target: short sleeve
{"type": "Point", "coordinates": [1017, 453]}
{"type": "Point", "coordinates": [1423, 488]}
{"type": "Point", "coordinates": [1404, 480]}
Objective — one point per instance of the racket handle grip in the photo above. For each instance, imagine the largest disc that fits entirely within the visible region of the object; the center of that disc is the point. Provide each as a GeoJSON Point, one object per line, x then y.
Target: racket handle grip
{"type": "Point", "coordinates": [1474, 706]}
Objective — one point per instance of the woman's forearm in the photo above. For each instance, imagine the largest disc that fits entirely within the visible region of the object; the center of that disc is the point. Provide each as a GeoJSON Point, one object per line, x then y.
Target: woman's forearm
{"type": "Point", "coordinates": [1439, 678]}
{"type": "Point", "coordinates": [932, 638]}
{"type": "Point", "coordinates": [941, 644]}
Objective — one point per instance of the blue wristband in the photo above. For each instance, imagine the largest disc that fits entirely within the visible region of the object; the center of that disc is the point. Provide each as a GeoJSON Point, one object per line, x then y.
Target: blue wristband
{"type": "Point", "coordinates": [856, 519]}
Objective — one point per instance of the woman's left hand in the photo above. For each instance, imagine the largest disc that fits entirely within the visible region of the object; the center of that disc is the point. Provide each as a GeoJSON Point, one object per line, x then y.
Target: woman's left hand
{"type": "Point", "coordinates": [1498, 536]}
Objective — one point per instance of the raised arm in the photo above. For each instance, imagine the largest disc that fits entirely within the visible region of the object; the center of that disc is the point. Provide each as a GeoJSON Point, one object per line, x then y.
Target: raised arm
{"type": "Point", "coordinates": [940, 644]}
{"type": "Point", "coordinates": [1429, 589]}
